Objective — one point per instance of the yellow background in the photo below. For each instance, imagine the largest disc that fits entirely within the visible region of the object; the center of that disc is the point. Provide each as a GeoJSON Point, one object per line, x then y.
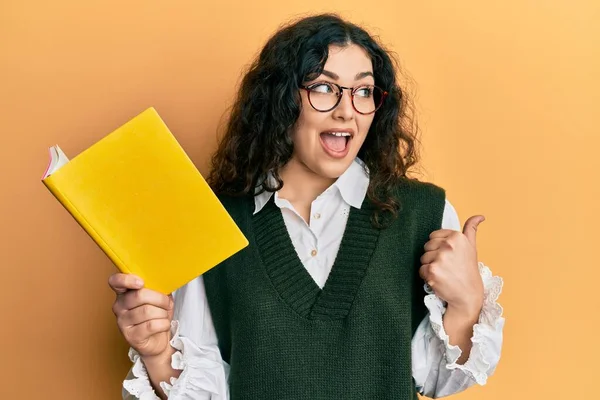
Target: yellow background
{"type": "Point", "coordinates": [507, 95]}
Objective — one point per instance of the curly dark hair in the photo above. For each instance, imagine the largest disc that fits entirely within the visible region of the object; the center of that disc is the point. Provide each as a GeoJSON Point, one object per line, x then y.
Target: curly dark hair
{"type": "Point", "coordinates": [257, 136]}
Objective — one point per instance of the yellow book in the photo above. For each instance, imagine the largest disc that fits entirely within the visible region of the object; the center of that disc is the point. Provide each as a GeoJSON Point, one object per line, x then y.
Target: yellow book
{"type": "Point", "coordinates": [143, 201]}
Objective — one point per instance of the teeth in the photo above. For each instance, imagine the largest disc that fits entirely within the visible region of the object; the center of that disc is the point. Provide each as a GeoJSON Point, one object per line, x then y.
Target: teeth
{"type": "Point", "coordinates": [345, 134]}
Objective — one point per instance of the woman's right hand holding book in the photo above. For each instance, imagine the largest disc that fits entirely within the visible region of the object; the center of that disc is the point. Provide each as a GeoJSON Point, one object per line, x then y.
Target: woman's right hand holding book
{"type": "Point", "coordinates": [144, 318]}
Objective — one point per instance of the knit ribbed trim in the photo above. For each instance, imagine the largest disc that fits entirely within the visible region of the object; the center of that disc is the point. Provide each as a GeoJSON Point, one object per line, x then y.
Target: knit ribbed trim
{"type": "Point", "coordinates": [291, 279]}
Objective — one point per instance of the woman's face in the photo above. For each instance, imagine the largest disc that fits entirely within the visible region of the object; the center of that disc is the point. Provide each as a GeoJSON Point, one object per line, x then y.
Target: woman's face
{"type": "Point", "coordinates": [327, 142]}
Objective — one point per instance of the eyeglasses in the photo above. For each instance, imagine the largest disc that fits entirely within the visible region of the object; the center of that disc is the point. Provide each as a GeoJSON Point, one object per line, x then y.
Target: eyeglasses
{"type": "Point", "coordinates": [325, 96]}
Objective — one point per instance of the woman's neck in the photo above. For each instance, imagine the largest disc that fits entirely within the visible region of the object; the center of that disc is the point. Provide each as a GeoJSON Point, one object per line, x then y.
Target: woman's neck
{"type": "Point", "coordinates": [301, 185]}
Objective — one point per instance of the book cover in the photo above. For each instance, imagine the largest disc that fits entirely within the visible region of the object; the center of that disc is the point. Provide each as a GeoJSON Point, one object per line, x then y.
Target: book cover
{"type": "Point", "coordinates": [142, 200]}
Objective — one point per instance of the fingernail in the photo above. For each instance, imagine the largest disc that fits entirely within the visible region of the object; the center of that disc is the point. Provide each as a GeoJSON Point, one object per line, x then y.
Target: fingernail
{"type": "Point", "coordinates": [139, 283]}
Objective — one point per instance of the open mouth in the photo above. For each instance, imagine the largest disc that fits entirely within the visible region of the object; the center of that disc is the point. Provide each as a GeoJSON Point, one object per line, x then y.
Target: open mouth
{"type": "Point", "coordinates": [336, 144]}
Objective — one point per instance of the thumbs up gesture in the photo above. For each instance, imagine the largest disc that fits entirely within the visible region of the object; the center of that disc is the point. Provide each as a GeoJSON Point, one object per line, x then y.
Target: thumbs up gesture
{"type": "Point", "coordinates": [450, 267]}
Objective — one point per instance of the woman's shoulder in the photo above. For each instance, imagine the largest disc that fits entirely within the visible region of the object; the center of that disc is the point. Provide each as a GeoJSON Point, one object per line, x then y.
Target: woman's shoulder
{"type": "Point", "coordinates": [425, 200]}
{"type": "Point", "coordinates": [236, 205]}
{"type": "Point", "coordinates": [413, 186]}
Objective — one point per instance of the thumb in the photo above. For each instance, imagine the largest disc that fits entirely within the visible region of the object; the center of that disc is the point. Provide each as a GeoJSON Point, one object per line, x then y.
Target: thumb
{"type": "Point", "coordinates": [470, 228]}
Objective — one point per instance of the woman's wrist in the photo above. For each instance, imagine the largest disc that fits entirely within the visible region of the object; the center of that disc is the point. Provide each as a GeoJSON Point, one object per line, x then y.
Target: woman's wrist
{"type": "Point", "coordinates": [467, 310]}
{"type": "Point", "coordinates": [163, 358]}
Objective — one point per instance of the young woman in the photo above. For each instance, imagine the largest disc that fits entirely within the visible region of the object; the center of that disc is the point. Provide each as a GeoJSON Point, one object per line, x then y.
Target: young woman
{"type": "Point", "coordinates": [358, 283]}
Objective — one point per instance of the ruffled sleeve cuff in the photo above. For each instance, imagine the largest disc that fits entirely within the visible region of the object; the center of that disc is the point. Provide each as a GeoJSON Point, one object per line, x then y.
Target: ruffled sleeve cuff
{"type": "Point", "coordinates": [138, 385]}
{"type": "Point", "coordinates": [204, 374]}
{"type": "Point", "coordinates": [481, 361]}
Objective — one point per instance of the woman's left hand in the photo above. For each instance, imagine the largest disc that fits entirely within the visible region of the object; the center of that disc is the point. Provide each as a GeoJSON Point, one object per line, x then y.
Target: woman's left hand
{"type": "Point", "coordinates": [450, 267]}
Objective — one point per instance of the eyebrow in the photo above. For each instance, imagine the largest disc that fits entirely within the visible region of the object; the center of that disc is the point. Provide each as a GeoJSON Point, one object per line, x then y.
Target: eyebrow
{"type": "Point", "coordinates": [360, 75]}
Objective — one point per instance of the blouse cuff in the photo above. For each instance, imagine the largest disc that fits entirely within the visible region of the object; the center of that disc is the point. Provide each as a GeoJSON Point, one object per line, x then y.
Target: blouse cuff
{"type": "Point", "coordinates": [477, 366]}
{"type": "Point", "coordinates": [203, 376]}
{"type": "Point", "coordinates": [139, 386]}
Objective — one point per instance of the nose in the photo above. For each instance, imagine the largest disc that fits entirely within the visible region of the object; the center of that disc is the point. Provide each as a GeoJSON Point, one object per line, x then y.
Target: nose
{"type": "Point", "coordinates": [344, 111]}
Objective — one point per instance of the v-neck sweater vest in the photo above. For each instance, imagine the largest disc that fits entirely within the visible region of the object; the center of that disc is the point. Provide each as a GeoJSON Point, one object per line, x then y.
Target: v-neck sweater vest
{"type": "Point", "coordinates": [285, 338]}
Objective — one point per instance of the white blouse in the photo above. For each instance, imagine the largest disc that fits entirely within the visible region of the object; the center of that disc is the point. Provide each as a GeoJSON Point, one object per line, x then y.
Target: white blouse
{"type": "Point", "coordinates": [434, 368]}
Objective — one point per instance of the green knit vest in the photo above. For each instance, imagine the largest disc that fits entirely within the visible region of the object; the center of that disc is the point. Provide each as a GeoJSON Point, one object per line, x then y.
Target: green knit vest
{"type": "Point", "coordinates": [287, 339]}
